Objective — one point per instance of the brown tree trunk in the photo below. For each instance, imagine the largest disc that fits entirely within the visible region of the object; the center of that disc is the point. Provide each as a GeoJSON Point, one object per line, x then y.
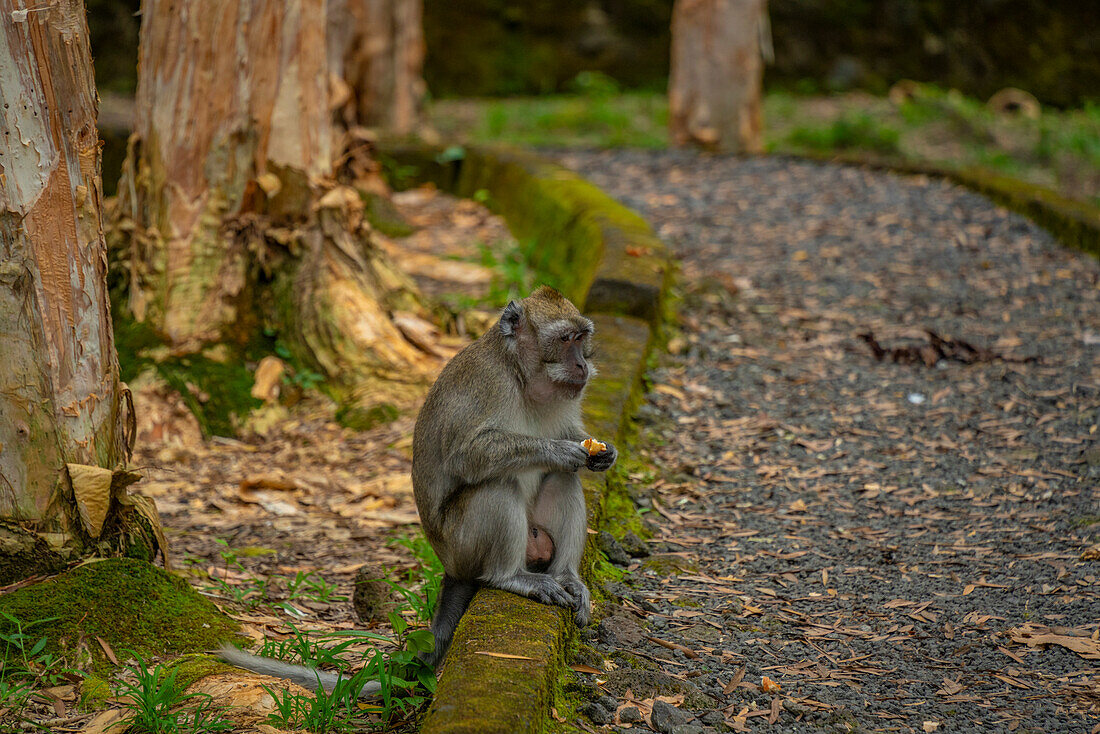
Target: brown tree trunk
{"type": "Point", "coordinates": [228, 197]}
{"type": "Point", "coordinates": [376, 47]}
{"type": "Point", "coordinates": [716, 77]}
{"type": "Point", "coordinates": [62, 435]}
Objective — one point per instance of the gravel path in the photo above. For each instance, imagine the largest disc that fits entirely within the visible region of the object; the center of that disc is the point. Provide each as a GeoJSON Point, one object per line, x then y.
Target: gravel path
{"type": "Point", "coordinates": [873, 458]}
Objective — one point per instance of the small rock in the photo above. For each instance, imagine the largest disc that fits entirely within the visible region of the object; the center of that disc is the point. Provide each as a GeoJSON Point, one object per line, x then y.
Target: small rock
{"type": "Point", "coordinates": [597, 713]}
{"type": "Point", "coordinates": [687, 729]}
{"type": "Point", "coordinates": [713, 718]}
{"type": "Point", "coordinates": [634, 545]}
{"type": "Point", "coordinates": [1092, 456]}
{"type": "Point", "coordinates": [608, 702]}
{"type": "Point", "coordinates": [630, 715]}
{"type": "Point", "coordinates": [611, 548]}
{"type": "Point", "coordinates": [373, 599]}
{"type": "Point", "coordinates": [665, 717]}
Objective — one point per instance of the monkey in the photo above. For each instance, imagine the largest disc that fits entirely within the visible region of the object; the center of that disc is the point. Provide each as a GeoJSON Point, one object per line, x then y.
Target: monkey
{"type": "Point", "coordinates": [496, 450]}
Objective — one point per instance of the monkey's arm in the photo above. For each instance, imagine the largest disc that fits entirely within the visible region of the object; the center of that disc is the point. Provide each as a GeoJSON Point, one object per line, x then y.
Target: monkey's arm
{"type": "Point", "coordinates": [493, 452]}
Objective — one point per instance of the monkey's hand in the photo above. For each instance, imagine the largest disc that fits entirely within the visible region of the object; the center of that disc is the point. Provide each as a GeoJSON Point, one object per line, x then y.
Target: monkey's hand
{"type": "Point", "coordinates": [603, 460]}
{"type": "Point", "coordinates": [567, 455]}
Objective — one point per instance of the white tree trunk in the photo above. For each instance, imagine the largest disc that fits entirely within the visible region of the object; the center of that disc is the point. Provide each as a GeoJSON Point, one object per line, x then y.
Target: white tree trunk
{"type": "Point", "coordinates": [716, 76]}
{"type": "Point", "coordinates": [60, 412]}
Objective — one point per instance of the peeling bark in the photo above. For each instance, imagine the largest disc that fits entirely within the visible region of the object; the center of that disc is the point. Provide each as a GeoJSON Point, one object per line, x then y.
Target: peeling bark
{"type": "Point", "coordinates": [716, 75]}
{"type": "Point", "coordinates": [229, 200]}
{"type": "Point", "coordinates": [60, 399]}
{"type": "Point", "coordinates": [376, 54]}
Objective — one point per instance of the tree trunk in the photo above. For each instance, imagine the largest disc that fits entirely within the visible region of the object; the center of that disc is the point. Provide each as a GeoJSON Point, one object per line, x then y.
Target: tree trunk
{"type": "Point", "coordinates": [716, 77]}
{"type": "Point", "coordinates": [376, 47]}
{"type": "Point", "coordinates": [229, 200]}
{"type": "Point", "coordinates": [62, 435]}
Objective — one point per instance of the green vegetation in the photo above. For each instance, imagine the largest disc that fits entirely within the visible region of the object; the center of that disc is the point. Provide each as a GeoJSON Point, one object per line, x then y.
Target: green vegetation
{"type": "Point", "coordinates": [597, 115]}
{"type": "Point", "coordinates": [850, 131]}
{"type": "Point", "coordinates": [390, 659]}
{"type": "Point", "coordinates": [25, 663]}
{"type": "Point", "coordinates": [1059, 150]}
{"type": "Point", "coordinates": [157, 703]}
{"type": "Point", "coordinates": [251, 590]}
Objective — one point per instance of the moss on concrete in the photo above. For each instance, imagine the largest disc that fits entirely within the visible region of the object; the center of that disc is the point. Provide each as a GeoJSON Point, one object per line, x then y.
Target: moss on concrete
{"type": "Point", "coordinates": [1075, 224]}
{"type": "Point", "coordinates": [482, 694]}
{"type": "Point", "coordinates": [130, 604]}
{"type": "Point", "coordinates": [607, 259]}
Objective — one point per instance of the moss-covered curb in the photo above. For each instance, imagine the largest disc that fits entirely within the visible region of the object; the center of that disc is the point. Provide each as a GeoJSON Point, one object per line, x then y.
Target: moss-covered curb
{"type": "Point", "coordinates": [1075, 224]}
{"type": "Point", "coordinates": [608, 260]}
{"type": "Point", "coordinates": [599, 253]}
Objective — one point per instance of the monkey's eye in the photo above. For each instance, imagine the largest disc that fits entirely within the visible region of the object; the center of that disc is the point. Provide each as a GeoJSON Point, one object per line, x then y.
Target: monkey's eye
{"type": "Point", "coordinates": [566, 337]}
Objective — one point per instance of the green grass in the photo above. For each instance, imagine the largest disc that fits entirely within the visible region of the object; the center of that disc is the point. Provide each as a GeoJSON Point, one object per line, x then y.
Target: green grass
{"type": "Point", "coordinates": [157, 703]}
{"type": "Point", "coordinates": [1060, 150]}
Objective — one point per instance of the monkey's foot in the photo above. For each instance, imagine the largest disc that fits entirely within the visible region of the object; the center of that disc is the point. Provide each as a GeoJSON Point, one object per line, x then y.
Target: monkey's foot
{"type": "Point", "coordinates": [538, 586]}
{"type": "Point", "coordinates": [582, 602]}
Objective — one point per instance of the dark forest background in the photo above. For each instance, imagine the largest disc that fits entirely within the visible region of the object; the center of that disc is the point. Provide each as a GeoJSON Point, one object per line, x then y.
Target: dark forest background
{"type": "Point", "coordinates": [1050, 48]}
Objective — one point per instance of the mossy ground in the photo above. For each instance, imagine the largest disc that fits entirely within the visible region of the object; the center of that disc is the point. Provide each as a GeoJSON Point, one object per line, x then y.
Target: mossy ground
{"type": "Point", "coordinates": [216, 390]}
{"type": "Point", "coordinates": [130, 604]}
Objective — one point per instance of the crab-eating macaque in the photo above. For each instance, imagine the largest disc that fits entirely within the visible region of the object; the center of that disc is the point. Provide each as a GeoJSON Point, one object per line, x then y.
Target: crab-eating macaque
{"type": "Point", "coordinates": [496, 450]}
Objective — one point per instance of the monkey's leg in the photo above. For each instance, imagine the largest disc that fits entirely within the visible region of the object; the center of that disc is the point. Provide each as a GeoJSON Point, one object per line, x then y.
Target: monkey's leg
{"type": "Point", "coordinates": [454, 597]}
{"type": "Point", "coordinates": [495, 532]}
{"type": "Point", "coordinates": [559, 507]}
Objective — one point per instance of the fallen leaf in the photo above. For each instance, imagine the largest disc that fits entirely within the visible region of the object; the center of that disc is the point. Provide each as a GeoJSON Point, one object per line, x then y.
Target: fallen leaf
{"type": "Point", "coordinates": [268, 374]}
{"type": "Point", "coordinates": [769, 686]}
{"type": "Point", "coordinates": [107, 650]}
{"type": "Point", "coordinates": [930, 726]}
{"type": "Point", "coordinates": [504, 655]}
{"type": "Point", "coordinates": [1033, 635]}
{"type": "Point", "coordinates": [734, 681]}
{"type": "Point", "coordinates": [581, 668]}
{"type": "Point", "coordinates": [104, 721]}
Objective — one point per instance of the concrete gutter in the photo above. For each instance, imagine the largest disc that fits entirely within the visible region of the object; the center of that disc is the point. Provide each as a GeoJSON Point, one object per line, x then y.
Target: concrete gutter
{"type": "Point", "coordinates": [508, 653]}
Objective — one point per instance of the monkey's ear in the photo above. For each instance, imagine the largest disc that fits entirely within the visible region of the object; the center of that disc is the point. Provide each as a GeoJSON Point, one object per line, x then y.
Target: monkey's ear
{"type": "Point", "coordinates": [509, 318]}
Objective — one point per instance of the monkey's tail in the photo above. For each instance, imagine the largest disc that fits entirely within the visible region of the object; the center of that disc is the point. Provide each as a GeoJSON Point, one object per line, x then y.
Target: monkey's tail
{"type": "Point", "coordinates": [454, 597]}
{"type": "Point", "coordinates": [306, 677]}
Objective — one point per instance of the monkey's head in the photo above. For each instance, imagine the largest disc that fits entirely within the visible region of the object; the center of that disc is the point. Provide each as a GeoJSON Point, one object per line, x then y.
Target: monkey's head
{"type": "Point", "coordinates": [551, 342]}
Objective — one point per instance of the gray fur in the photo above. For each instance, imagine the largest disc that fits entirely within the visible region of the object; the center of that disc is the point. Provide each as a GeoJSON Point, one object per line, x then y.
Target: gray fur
{"type": "Point", "coordinates": [496, 449]}
{"type": "Point", "coordinates": [306, 677]}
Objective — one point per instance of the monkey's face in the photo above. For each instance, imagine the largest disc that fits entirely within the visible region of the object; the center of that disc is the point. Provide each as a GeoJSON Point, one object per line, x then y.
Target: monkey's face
{"type": "Point", "coordinates": [552, 343]}
{"type": "Point", "coordinates": [566, 348]}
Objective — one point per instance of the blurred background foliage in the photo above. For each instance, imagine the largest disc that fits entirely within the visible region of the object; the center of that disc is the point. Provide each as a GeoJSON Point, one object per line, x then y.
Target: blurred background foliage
{"type": "Point", "coordinates": [594, 73]}
{"type": "Point", "coordinates": [1051, 48]}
